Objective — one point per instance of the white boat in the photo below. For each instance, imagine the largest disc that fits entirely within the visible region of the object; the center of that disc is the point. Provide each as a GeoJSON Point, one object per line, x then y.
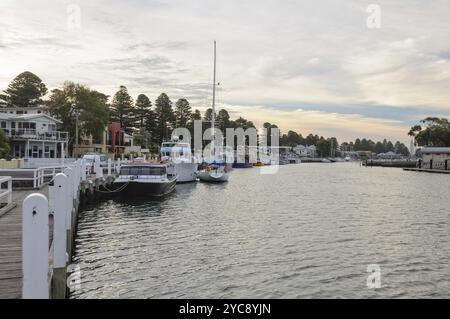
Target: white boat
{"type": "Point", "coordinates": [217, 169]}
{"type": "Point", "coordinates": [181, 155]}
{"type": "Point", "coordinates": [144, 178]}
{"type": "Point", "coordinates": [214, 173]}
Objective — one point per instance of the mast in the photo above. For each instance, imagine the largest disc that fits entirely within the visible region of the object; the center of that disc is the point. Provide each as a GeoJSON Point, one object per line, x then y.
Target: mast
{"type": "Point", "coordinates": [213, 116]}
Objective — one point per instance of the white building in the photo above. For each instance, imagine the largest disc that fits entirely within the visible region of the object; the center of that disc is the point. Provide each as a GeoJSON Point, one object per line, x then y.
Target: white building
{"type": "Point", "coordinates": [33, 135]}
{"type": "Point", "coordinates": [305, 151]}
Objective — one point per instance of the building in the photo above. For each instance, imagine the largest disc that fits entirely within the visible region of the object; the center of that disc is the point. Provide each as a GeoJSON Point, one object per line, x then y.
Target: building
{"type": "Point", "coordinates": [305, 151]}
{"type": "Point", "coordinates": [437, 154]}
{"type": "Point", "coordinates": [24, 110]}
{"type": "Point", "coordinates": [33, 135]}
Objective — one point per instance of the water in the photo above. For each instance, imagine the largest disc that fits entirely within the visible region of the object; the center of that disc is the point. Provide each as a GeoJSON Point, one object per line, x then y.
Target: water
{"type": "Point", "coordinates": [309, 231]}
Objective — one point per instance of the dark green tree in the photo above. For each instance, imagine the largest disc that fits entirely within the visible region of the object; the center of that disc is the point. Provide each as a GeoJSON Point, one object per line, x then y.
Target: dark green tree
{"type": "Point", "coordinates": [435, 132]}
{"type": "Point", "coordinates": [26, 90]}
{"type": "Point", "coordinates": [122, 109]}
{"type": "Point", "coordinates": [142, 107]}
{"type": "Point", "coordinates": [182, 113]}
{"type": "Point", "coordinates": [66, 102]}
{"type": "Point", "coordinates": [164, 117]}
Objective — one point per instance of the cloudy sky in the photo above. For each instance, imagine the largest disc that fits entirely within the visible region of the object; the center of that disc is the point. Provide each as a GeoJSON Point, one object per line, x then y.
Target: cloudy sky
{"type": "Point", "coordinates": [309, 66]}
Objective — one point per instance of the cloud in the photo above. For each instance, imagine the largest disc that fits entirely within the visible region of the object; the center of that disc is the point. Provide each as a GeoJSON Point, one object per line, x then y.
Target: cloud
{"type": "Point", "coordinates": [316, 56]}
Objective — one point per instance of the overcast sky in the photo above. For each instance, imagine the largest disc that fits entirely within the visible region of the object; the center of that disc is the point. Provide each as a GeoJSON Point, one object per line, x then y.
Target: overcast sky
{"type": "Point", "coordinates": [309, 66]}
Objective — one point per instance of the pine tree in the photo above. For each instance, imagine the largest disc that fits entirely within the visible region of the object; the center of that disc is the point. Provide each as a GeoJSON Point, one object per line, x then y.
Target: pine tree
{"type": "Point", "coordinates": [164, 117]}
{"type": "Point", "coordinates": [142, 107]}
{"type": "Point", "coordinates": [122, 109]}
{"type": "Point", "coordinates": [182, 113]}
{"type": "Point", "coordinates": [26, 90]}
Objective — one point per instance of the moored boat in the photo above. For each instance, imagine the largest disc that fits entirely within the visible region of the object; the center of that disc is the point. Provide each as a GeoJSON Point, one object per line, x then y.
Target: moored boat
{"type": "Point", "coordinates": [143, 178]}
{"type": "Point", "coordinates": [181, 155]}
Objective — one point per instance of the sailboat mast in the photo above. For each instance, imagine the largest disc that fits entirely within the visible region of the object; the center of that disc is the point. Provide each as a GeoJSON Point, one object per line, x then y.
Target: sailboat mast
{"type": "Point", "coordinates": [213, 116]}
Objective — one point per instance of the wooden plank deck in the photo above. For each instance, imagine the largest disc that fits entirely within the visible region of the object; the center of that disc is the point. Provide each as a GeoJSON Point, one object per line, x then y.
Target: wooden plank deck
{"type": "Point", "coordinates": [11, 246]}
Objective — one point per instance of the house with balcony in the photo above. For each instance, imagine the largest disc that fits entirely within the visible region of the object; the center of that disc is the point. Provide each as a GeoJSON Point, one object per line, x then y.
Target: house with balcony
{"type": "Point", "coordinates": [34, 135]}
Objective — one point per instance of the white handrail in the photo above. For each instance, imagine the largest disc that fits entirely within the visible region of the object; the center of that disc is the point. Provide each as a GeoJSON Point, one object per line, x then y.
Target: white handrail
{"type": "Point", "coordinates": [6, 192]}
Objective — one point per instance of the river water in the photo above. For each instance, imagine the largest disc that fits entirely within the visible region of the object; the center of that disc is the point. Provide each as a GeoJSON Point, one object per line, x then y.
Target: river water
{"type": "Point", "coordinates": [309, 231]}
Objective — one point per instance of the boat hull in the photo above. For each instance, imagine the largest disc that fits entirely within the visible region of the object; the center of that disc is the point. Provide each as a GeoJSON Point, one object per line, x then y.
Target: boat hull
{"type": "Point", "coordinates": [186, 172]}
{"type": "Point", "coordinates": [212, 177]}
{"type": "Point", "coordinates": [145, 188]}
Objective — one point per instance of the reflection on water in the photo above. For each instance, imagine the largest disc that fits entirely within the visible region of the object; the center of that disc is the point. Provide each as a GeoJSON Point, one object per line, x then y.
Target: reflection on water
{"type": "Point", "coordinates": [309, 231]}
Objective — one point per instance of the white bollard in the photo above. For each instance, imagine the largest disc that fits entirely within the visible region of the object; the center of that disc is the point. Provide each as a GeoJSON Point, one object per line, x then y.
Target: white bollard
{"type": "Point", "coordinates": [57, 194]}
{"type": "Point", "coordinates": [118, 166]}
{"type": "Point", "coordinates": [35, 246]}
{"type": "Point", "coordinates": [109, 167]}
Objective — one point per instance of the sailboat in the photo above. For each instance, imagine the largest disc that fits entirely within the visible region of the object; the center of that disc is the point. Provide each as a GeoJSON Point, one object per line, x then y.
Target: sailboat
{"type": "Point", "coordinates": [217, 169]}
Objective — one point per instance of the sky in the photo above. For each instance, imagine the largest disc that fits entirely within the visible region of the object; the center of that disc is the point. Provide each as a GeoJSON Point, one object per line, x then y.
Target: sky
{"type": "Point", "coordinates": [309, 66]}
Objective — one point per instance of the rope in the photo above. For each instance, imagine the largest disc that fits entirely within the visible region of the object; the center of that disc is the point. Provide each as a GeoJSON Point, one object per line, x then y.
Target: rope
{"type": "Point", "coordinates": [121, 188]}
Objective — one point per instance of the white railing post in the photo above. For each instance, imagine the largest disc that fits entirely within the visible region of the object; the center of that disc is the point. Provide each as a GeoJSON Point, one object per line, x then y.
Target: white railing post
{"type": "Point", "coordinates": [83, 169]}
{"type": "Point", "coordinates": [58, 193]}
{"type": "Point", "coordinates": [10, 190]}
{"type": "Point", "coordinates": [35, 246]}
{"type": "Point", "coordinates": [118, 166]}
{"type": "Point", "coordinates": [35, 178]}
{"type": "Point", "coordinates": [68, 199]}
{"type": "Point", "coordinates": [98, 168]}
{"type": "Point", "coordinates": [109, 167]}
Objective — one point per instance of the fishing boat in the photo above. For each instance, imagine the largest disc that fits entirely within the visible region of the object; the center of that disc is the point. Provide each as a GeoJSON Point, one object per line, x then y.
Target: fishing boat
{"type": "Point", "coordinates": [145, 178]}
{"type": "Point", "coordinates": [180, 154]}
{"type": "Point", "coordinates": [217, 169]}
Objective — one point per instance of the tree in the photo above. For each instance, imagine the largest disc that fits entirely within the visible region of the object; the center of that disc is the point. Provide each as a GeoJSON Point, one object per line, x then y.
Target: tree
{"type": "Point", "coordinates": [4, 145]}
{"type": "Point", "coordinates": [182, 113]}
{"type": "Point", "coordinates": [164, 117]}
{"type": "Point", "coordinates": [142, 107]}
{"type": "Point", "coordinates": [92, 106]}
{"type": "Point", "coordinates": [26, 90]}
{"type": "Point", "coordinates": [435, 133]}
{"type": "Point", "coordinates": [122, 109]}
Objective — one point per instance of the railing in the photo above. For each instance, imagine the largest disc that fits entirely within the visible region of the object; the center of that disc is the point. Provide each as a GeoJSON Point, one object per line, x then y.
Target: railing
{"type": "Point", "coordinates": [5, 192]}
{"type": "Point", "coordinates": [431, 164]}
{"type": "Point", "coordinates": [34, 134]}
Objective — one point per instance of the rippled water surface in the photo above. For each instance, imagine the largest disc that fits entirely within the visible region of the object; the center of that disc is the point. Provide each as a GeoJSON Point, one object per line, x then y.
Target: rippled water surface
{"type": "Point", "coordinates": [309, 231]}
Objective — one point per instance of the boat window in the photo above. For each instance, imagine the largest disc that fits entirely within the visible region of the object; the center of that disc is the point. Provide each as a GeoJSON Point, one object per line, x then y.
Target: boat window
{"type": "Point", "coordinates": [143, 170]}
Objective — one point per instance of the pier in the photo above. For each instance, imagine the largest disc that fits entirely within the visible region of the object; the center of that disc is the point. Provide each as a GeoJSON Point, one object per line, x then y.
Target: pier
{"type": "Point", "coordinates": [38, 221]}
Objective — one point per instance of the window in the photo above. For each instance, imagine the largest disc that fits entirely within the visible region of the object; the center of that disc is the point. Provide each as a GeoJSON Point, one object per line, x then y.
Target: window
{"type": "Point", "coordinates": [2, 124]}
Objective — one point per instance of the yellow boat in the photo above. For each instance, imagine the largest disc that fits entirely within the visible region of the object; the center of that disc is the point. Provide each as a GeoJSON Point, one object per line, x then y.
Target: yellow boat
{"type": "Point", "coordinates": [257, 164]}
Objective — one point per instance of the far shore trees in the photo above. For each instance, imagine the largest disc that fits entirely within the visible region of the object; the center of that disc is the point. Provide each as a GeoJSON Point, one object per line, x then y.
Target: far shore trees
{"type": "Point", "coordinates": [64, 103]}
{"type": "Point", "coordinates": [26, 90]}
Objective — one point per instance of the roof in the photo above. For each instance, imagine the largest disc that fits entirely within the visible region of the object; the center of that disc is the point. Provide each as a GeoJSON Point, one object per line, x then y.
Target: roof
{"type": "Point", "coordinates": [435, 150]}
{"type": "Point", "coordinates": [26, 117]}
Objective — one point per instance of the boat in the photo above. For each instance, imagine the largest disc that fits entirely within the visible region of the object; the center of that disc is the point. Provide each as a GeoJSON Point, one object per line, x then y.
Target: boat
{"type": "Point", "coordinates": [242, 165]}
{"type": "Point", "coordinates": [145, 178]}
{"type": "Point", "coordinates": [214, 173]}
{"type": "Point", "coordinates": [180, 154]}
{"type": "Point", "coordinates": [217, 169]}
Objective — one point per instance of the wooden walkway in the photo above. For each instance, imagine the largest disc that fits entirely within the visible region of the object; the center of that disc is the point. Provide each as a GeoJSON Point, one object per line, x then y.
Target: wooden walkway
{"type": "Point", "coordinates": [427, 170]}
{"type": "Point", "coordinates": [11, 246]}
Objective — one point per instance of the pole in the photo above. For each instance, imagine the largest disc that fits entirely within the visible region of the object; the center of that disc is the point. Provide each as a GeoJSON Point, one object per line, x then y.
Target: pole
{"type": "Point", "coordinates": [213, 116]}
{"type": "Point", "coordinates": [76, 130]}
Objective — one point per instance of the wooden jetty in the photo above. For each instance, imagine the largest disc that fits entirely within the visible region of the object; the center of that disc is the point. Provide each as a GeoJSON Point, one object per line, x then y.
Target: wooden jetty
{"type": "Point", "coordinates": [427, 170]}
{"type": "Point", "coordinates": [38, 226]}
